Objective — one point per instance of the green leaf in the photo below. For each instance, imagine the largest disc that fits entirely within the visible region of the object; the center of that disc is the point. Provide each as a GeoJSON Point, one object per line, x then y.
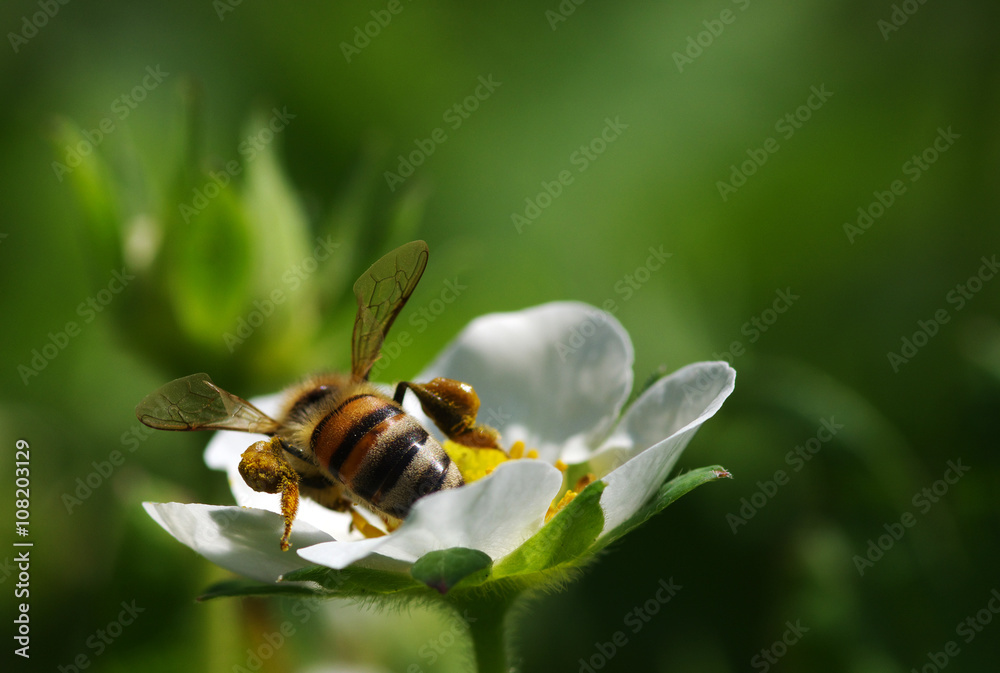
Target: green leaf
{"type": "Point", "coordinates": [668, 493]}
{"type": "Point", "coordinates": [243, 588]}
{"type": "Point", "coordinates": [442, 570]}
{"type": "Point", "coordinates": [407, 213]}
{"type": "Point", "coordinates": [288, 260]}
{"type": "Point", "coordinates": [354, 581]}
{"type": "Point", "coordinates": [283, 244]}
{"type": "Point", "coordinates": [208, 272]}
{"type": "Point", "coordinates": [95, 189]}
{"type": "Point", "coordinates": [563, 539]}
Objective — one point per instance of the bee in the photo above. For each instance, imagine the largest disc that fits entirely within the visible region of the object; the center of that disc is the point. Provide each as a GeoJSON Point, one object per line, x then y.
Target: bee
{"type": "Point", "coordinates": [339, 439]}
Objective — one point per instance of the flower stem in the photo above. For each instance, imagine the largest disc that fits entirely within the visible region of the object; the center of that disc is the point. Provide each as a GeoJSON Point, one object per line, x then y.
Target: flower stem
{"type": "Point", "coordinates": [486, 617]}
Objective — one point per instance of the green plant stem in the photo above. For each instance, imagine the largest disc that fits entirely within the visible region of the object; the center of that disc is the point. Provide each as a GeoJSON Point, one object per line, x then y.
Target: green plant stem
{"type": "Point", "coordinates": [487, 618]}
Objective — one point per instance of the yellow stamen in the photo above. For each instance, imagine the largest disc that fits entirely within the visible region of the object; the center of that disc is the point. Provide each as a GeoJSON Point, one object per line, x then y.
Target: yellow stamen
{"type": "Point", "coordinates": [584, 481]}
{"type": "Point", "coordinates": [533, 454]}
{"type": "Point", "coordinates": [517, 451]}
{"type": "Point", "coordinates": [362, 524]}
{"type": "Point", "coordinates": [556, 508]}
{"type": "Point", "coordinates": [567, 497]}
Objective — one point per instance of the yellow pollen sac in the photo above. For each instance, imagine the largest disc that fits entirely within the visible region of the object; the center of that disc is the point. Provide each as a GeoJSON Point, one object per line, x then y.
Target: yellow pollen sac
{"type": "Point", "coordinates": [561, 466]}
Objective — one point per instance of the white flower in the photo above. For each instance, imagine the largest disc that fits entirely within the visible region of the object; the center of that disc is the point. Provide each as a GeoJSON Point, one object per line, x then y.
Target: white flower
{"type": "Point", "coordinates": [554, 376]}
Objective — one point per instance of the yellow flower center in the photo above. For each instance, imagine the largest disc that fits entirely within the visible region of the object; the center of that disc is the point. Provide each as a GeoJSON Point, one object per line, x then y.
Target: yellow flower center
{"type": "Point", "coordinates": [475, 463]}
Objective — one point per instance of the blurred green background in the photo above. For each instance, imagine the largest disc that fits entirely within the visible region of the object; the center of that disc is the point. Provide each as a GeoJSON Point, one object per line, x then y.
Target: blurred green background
{"type": "Point", "coordinates": [688, 96]}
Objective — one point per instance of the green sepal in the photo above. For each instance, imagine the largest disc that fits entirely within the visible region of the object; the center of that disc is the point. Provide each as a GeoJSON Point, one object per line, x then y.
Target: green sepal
{"type": "Point", "coordinates": [441, 570]}
{"type": "Point", "coordinates": [563, 539]}
{"type": "Point", "coordinates": [244, 588]}
{"type": "Point", "coordinates": [668, 493]}
{"type": "Point", "coordinates": [354, 581]}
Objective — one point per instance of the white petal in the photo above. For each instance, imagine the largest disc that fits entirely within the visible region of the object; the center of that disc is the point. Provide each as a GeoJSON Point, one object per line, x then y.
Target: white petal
{"type": "Point", "coordinates": [667, 406]}
{"type": "Point", "coordinates": [242, 540]}
{"type": "Point", "coordinates": [673, 408]}
{"type": "Point", "coordinates": [495, 515]}
{"type": "Point", "coordinates": [554, 376]}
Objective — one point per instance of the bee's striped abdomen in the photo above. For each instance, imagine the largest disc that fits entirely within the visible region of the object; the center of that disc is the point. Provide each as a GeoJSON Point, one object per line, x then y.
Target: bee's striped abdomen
{"type": "Point", "coordinates": [343, 437]}
{"type": "Point", "coordinates": [382, 454]}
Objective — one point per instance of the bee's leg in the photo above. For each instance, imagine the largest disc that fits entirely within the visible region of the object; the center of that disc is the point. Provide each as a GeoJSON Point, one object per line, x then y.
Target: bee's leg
{"type": "Point", "coordinates": [265, 470]}
{"type": "Point", "coordinates": [453, 406]}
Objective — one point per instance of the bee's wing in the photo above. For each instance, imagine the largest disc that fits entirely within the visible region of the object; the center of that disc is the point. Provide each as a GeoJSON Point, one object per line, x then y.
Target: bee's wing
{"type": "Point", "coordinates": [195, 403]}
{"type": "Point", "coordinates": [382, 291]}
